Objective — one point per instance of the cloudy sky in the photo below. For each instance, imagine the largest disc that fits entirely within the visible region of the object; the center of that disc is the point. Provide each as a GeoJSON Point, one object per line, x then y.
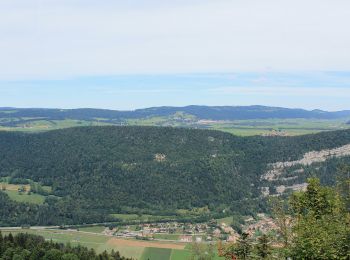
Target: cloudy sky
{"type": "Point", "coordinates": [137, 53]}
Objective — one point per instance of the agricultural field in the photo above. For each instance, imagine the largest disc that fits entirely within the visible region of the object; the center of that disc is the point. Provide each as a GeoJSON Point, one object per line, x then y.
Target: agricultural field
{"type": "Point", "coordinates": [277, 126]}
{"type": "Point", "coordinates": [93, 229]}
{"type": "Point", "coordinates": [250, 127]}
{"type": "Point", "coordinates": [138, 249]}
{"type": "Point", "coordinates": [247, 127]}
{"type": "Point", "coordinates": [46, 125]}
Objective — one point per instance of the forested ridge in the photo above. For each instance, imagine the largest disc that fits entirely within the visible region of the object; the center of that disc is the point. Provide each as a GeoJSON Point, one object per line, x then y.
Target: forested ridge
{"type": "Point", "coordinates": [200, 112]}
{"type": "Point", "coordinates": [97, 171]}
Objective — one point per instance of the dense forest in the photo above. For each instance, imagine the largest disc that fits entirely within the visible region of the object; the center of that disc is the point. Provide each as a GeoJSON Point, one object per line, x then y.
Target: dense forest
{"type": "Point", "coordinates": [313, 224]}
{"type": "Point", "coordinates": [97, 171]}
{"type": "Point", "coordinates": [26, 246]}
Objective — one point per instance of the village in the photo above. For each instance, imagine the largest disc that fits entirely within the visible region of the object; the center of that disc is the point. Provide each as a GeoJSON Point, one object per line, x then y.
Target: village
{"type": "Point", "coordinates": [212, 230]}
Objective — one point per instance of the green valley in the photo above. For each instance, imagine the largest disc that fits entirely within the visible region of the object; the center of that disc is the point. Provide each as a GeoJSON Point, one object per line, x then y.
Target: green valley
{"type": "Point", "coordinates": [245, 121]}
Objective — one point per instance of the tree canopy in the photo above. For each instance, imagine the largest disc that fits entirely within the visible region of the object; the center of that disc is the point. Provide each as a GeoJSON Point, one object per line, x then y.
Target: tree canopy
{"type": "Point", "coordinates": [97, 171]}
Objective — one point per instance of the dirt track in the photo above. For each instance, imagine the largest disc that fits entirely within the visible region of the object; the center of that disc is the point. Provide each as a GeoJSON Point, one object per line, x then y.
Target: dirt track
{"type": "Point", "coordinates": [136, 243]}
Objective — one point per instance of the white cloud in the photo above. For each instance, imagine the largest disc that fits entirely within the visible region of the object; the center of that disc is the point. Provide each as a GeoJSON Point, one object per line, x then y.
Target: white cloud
{"type": "Point", "coordinates": [52, 38]}
{"type": "Point", "coordinates": [293, 92]}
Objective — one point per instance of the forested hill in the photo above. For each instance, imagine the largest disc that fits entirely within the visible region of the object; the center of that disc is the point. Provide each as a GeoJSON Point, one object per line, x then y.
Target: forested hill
{"type": "Point", "coordinates": [200, 112]}
{"type": "Point", "coordinates": [96, 171]}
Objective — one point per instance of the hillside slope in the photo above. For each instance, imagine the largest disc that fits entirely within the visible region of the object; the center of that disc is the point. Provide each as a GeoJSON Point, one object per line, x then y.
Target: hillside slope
{"type": "Point", "coordinates": [97, 171]}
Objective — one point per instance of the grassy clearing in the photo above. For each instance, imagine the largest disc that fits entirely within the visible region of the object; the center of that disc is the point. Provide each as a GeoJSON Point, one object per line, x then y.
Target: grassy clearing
{"type": "Point", "coordinates": [152, 253]}
{"type": "Point", "coordinates": [228, 220]}
{"type": "Point", "coordinates": [12, 191]}
{"type": "Point", "coordinates": [13, 187]}
{"type": "Point", "coordinates": [25, 197]}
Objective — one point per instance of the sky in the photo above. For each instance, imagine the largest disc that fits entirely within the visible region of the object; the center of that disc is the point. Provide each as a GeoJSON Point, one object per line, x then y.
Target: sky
{"type": "Point", "coordinates": [137, 53]}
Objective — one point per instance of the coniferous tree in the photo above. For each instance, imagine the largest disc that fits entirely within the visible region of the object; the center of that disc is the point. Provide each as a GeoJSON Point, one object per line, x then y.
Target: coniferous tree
{"type": "Point", "coordinates": [263, 247]}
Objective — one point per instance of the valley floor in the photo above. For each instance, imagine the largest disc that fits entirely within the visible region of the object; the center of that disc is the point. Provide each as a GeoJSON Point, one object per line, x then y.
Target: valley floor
{"type": "Point", "coordinates": [137, 249]}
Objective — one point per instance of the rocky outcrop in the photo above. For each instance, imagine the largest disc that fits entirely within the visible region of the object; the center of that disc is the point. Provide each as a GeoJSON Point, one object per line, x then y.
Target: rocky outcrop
{"type": "Point", "coordinates": [276, 169]}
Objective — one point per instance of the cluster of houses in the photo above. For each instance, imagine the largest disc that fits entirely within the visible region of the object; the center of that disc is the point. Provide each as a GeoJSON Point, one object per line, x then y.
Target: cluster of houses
{"type": "Point", "coordinates": [189, 233]}
{"type": "Point", "coordinates": [264, 225]}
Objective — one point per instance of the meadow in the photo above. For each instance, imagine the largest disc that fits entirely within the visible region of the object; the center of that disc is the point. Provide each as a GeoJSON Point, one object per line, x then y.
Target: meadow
{"type": "Point", "coordinates": [12, 190]}
{"type": "Point", "coordinates": [25, 197]}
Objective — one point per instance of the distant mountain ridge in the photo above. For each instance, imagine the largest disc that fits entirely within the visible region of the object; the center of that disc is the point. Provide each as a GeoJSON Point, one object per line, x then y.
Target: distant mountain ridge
{"type": "Point", "coordinates": [200, 112]}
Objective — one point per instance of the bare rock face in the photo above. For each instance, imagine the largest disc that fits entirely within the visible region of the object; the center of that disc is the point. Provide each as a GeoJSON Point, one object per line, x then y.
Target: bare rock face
{"type": "Point", "coordinates": [159, 157]}
{"type": "Point", "coordinates": [276, 169]}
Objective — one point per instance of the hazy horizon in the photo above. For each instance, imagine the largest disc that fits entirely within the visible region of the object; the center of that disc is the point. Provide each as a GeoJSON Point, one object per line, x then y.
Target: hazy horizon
{"type": "Point", "coordinates": [309, 90]}
{"type": "Point", "coordinates": [135, 54]}
{"type": "Point", "coordinates": [140, 108]}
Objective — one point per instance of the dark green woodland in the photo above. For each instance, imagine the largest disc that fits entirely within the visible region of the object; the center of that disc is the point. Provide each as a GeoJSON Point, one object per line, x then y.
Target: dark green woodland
{"type": "Point", "coordinates": [98, 171]}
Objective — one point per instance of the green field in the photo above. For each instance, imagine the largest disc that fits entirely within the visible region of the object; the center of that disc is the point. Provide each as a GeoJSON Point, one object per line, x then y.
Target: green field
{"type": "Point", "coordinates": [127, 251]}
{"type": "Point", "coordinates": [93, 229]}
{"type": "Point", "coordinates": [32, 198]}
{"type": "Point", "coordinates": [156, 254]}
{"type": "Point", "coordinates": [12, 190]}
{"type": "Point", "coordinates": [282, 126]}
{"type": "Point", "coordinates": [180, 254]}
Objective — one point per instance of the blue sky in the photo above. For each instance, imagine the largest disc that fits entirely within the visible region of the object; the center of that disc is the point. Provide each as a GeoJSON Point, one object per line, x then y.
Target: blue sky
{"type": "Point", "coordinates": [140, 53]}
{"type": "Point", "coordinates": [327, 90]}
